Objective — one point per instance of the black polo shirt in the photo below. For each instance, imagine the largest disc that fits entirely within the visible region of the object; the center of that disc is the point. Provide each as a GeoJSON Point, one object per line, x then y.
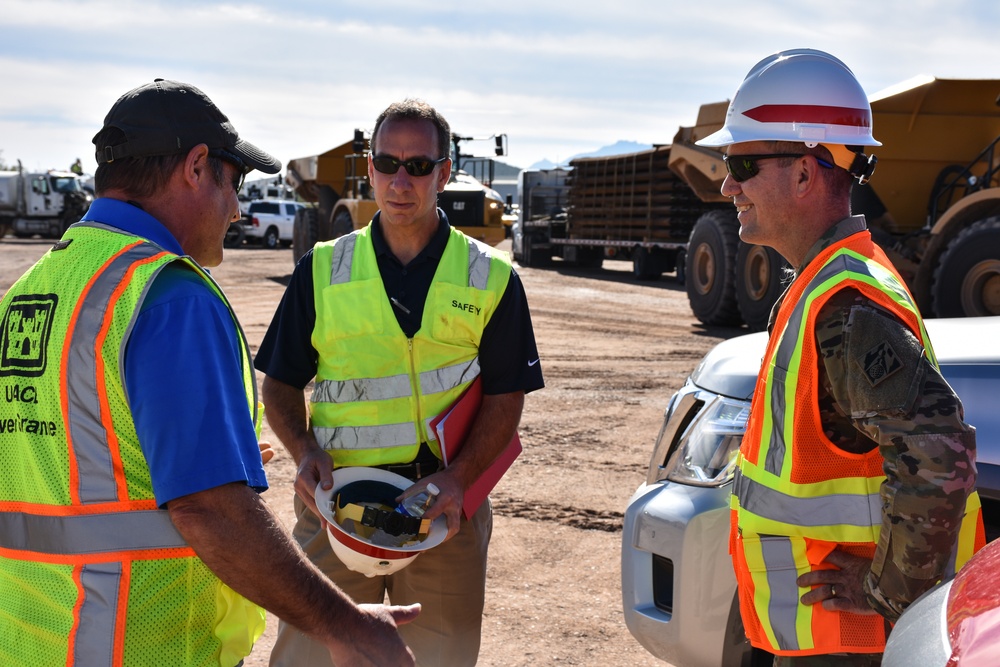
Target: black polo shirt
{"type": "Point", "coordinates": [508, 357]}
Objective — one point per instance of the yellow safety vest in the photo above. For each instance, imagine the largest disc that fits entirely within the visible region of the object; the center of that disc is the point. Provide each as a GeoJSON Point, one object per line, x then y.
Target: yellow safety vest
{"type": "Point", "coordinates": [797, 497]}
{"type": "Point", "coordinates": [376, 390]}
{"type": "Point", "coordinates": [92, 574]}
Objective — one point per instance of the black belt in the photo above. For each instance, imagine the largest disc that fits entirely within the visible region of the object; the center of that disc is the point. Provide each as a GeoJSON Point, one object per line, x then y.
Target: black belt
{"type": "Point", "coordinates": [413, 470]}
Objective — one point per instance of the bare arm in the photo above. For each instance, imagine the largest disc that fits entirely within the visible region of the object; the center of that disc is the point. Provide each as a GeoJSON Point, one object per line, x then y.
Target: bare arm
{"type": "Point", "coordinates": [493, 428]}
{"type": "Point", "coordinates": [285, 407]}
{"type": "Point", "coordinates": [241, 541]}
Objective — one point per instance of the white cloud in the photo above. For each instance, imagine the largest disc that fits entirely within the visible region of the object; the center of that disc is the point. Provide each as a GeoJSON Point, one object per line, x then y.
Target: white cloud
{"type": "Point", "coordinates": [559, 77]}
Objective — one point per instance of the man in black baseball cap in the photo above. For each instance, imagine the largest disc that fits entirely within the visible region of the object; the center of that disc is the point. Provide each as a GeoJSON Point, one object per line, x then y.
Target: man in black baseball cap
{"type": "Point", "coordinates": [167, 117]}
{"type": "Point", "coordinates": [149, 407]}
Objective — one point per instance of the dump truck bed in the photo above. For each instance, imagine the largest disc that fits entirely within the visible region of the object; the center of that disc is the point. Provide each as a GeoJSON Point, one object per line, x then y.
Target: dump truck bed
{"type": "Point", "coordinates": [632, 198]}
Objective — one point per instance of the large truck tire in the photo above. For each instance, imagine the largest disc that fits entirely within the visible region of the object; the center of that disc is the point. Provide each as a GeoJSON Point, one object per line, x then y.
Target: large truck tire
{"type": "Point", "coordinates": [759, 274]}
{"type": "Point", "coordinates": [342, 223]}
{"type": "Point", "coordinates": [967, 276]}
{"type": "Point", "coordinates": [234, 235]}
{"type": "Point", "coordinates": [6, 227]}
{"type": "Point", "coordinates": [305, 231]}
{"type": "Point", "coordinates": [711, 268]}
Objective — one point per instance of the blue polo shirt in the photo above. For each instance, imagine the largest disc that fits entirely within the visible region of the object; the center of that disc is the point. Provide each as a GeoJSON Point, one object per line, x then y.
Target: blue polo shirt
{"type": "Point", "coordinates": [183, 375]}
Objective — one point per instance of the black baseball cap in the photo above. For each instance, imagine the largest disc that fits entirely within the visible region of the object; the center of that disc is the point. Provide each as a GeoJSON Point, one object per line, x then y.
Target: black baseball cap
{"type": "Point", "coordinates": [168, 117]}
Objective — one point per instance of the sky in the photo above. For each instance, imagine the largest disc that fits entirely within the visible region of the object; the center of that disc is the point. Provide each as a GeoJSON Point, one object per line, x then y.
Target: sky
{"type": "Point", "coordinates": [557, 77]}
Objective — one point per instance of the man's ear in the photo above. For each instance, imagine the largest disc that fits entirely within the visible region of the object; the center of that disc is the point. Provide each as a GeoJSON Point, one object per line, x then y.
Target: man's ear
{"type": "Point", "coordinates": [806, 171]}
{"type": "Point", "coordinates": [196, 166]}
{"type": "Point", "coordinates": [444, 174]}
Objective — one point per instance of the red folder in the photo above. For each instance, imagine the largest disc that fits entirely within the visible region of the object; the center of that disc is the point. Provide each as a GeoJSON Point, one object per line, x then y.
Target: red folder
{"type": "Point", "coordinates": [452, 428]}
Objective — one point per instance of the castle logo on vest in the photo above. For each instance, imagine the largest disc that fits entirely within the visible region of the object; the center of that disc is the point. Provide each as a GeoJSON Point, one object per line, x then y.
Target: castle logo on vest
{"type": "Point", "coordinates": [24, 338]}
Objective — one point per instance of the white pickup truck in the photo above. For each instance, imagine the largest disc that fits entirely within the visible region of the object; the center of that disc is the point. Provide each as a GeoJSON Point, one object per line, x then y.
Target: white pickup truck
{"type": "Point", "coordinates": [266, 221]}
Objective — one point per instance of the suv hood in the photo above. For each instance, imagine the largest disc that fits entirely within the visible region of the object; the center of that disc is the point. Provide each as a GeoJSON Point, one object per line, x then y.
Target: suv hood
{"type": "Point", "coordinates": [731, 367]}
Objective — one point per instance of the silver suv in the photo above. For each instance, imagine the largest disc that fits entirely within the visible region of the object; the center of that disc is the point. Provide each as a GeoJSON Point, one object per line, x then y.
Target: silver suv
{"type": "Point", "coordinates": [678, 586]}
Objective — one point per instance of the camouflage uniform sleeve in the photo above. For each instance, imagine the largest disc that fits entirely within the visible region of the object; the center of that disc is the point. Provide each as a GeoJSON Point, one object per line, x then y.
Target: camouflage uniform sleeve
{"type": "Point", "coordinates": [877, 388]}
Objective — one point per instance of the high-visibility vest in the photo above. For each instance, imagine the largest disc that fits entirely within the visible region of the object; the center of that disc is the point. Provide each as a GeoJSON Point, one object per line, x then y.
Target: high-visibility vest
{"type": "Point", "coordinates": [377, 390]}
{"type": "Point", "coordinates": [797, 496]}
{"type": "Point", "coordinates": [92, 573]}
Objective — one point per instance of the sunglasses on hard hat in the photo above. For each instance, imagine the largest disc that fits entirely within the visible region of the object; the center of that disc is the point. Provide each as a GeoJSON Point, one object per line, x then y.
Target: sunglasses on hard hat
{"type": "Point", "coordinates": [744, 167]}
{"type": "Point", "coordinates": [236, 161]}
{"type": "Point", "coordinates": [387, 164]}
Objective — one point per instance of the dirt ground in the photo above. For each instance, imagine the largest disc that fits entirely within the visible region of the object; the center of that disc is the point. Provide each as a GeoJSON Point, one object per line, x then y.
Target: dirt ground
{"type": "Point", "coordinates": [613, 350]}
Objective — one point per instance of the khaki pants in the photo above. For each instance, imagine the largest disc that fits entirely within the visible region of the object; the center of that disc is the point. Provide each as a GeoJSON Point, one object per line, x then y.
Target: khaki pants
{"type": "Point", "coordinates": [449, 581]}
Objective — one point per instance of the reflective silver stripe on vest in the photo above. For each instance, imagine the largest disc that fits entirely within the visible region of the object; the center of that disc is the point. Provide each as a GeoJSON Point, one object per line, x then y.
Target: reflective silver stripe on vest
{"type": "Point", "coordinates": [449, 377]}
{"type": "Point", "coordinates": [479, 265]}
{"type": "Point", "coordinates": [362, 389]}
{"type": "Point", "coordinates": [777, 447]}
{"type": "Point", "coordinates": [779, 562]}
{"type": "Point", "coordinates": [343, 257]}
{"type": "Point", "coordinates": [88, 437]}
{"type": "Point", "coordinates": [366, 437]}
{"type": "Point", "coordinates": [395, 386]}
{"type": "Point", "coordinates": [100, 582]}
{"type": "Point", "coordinates": [85, 534]}
{"type": "Point", "coordinates": [829, 510]}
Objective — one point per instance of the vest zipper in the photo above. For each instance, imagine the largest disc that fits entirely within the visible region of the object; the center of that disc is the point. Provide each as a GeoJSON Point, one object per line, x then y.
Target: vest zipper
{"type": "Point", "coordinates": [415, 385]}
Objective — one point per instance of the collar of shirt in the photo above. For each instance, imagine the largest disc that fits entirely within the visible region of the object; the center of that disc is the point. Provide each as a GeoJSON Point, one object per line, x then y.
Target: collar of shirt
{"type": "Point", "coordinates": [838, 232]}
{"type": "Point", "coordinates": [132, 220]}
{"type": "Point", "coordinates": [433, 250]}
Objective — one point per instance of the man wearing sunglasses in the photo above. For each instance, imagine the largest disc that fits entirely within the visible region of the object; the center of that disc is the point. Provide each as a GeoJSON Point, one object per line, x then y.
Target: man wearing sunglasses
{"type": "Point", "coordinates": [855, 485]}
{"type": "Point", "coordinates": [131, 527]}
{"type": "Point", "coordinates": [394, 322]}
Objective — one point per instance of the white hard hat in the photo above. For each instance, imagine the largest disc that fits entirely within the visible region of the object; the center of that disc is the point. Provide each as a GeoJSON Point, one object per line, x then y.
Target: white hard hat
{"type": "Point", "coordinates": [798, 95]}
{"type": "Point", "coordinates": [361, 502]}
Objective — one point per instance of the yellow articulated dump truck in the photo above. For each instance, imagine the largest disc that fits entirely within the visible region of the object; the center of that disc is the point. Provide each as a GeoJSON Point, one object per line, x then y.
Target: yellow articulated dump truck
{"type": "Point", "coordinates": [933, 204]}
{"type": "Point", "coordinates": [336, 184]}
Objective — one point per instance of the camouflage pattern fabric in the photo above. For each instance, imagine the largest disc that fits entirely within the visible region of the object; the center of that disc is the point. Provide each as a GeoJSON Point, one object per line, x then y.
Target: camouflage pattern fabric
{"type": "Point", "coordinates": [877, 389]}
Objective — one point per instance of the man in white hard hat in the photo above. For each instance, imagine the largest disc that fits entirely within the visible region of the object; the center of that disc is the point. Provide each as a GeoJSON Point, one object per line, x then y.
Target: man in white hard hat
{"type": "Point", "coordinates": [855, 487]}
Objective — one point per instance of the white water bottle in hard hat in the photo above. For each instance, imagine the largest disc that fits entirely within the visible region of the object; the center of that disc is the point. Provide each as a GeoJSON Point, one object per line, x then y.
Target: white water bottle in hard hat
{"type": "Point", "coordinates": [418, 504]}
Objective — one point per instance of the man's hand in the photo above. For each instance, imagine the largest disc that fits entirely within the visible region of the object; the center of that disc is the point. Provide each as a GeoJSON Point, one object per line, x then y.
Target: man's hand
{"type": "Point", "coordinates": [839, 588]}
{"type": "Point", "coordinates": [266, 451]}
{"type": "Point", "coordinates": [315, 467]}
{"type": "Point", "coordinates": [375, 641]}
{"type": "Point", "coordinates": [449, 500]}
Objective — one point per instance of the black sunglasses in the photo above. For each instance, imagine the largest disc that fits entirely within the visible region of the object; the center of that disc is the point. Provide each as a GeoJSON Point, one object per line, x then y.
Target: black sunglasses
{"type": "Point", "coordinates": [387, 164]}
{"type": "Point", "coordinates": [236, 161]}
{"type": "Point", "coordinates": [744, 167]}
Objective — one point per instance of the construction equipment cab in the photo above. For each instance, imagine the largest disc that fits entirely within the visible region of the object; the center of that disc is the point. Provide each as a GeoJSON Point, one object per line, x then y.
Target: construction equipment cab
{"type": "Point", "coordinates": [43, 203]}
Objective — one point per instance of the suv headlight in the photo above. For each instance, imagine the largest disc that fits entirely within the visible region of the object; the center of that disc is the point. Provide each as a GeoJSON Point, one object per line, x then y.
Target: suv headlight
{"type": "Point", "coordinates": [707, 440]}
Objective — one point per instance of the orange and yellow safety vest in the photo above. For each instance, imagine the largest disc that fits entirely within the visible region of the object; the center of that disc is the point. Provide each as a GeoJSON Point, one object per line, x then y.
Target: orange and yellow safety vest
{"type": "Point", "coordinates": [797, 496]}
{"type": "Point", "coordinates": [92, 573]}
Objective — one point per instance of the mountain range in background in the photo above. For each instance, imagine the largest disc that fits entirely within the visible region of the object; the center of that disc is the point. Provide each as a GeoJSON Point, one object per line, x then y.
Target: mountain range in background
{"type": "Point", "coordinates": [503, 170]}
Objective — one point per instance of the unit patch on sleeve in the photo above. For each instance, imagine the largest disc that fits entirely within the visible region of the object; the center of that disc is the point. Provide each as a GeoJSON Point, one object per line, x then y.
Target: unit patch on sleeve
{"type": "Point", "coordinates": [24, 338]}
{"type": "Point", "coordinates": [880, 363]}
